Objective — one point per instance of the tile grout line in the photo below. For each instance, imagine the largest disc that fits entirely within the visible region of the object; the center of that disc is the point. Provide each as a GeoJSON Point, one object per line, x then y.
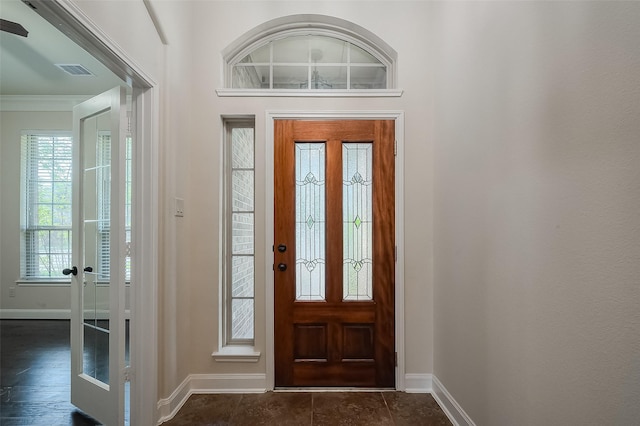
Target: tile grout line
{"type": "Point", "coordinates": [235, 409]}
{"type": "Point", "coordinates": [393, 422]}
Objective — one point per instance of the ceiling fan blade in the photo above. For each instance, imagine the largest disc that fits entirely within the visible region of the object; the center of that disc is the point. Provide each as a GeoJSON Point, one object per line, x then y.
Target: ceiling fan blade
{"type": "Point", "coordinates": [13, 28]}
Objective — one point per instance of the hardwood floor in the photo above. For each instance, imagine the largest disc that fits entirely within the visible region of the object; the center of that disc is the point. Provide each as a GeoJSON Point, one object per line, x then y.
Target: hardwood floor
{"type": "Point", "coordinates": [35, 374]}
{"type": "Point", "coordinates": [35, 388]}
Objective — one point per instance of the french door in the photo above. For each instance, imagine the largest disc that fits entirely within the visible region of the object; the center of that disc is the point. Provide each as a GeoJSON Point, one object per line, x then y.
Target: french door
{"type": "Point", "coordinates": [334, 253]}
{"type": "Point", "coordinates": [99, 257]}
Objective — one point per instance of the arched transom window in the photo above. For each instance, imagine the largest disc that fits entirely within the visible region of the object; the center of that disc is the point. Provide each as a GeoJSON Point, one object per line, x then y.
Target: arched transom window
{"type": "Point", "coordinates": [309, 62]}
{"type": "Point", "coordinates": [310, 53]}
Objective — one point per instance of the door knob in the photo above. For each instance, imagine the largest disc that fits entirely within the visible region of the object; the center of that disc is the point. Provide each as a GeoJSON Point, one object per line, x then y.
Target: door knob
{"type": "Point", "coordinates": [282, 248]}
{"type": "Point", "coordinates": [73, 270]}
{"type": "Point", "coordinates": [88, 269]}
{"type": "Point", "coordinates": [282, 266]}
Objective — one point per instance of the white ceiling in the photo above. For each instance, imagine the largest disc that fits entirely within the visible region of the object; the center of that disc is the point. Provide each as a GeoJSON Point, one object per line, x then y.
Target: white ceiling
{"type": "Point", "coordinates": [27, 65]}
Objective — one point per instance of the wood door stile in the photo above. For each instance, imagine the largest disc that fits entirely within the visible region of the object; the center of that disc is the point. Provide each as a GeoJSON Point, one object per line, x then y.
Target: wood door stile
{"type": "Point", "coordinates": [284, 182]}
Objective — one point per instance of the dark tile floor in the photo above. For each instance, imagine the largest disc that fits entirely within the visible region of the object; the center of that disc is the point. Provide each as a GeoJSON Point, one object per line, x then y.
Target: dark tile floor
{"type": "Point", "coordinates": [35, 387]}
{"type": "Point", "coordinates": [311, 408]}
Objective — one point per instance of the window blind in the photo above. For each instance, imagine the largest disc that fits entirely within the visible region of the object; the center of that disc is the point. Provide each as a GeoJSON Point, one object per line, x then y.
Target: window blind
{"type": "Point", "coordinates": [46, 204]}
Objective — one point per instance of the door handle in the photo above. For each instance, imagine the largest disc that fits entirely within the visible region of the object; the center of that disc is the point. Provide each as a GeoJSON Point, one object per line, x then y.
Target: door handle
{"type": "Point", "coordinates": [88, 269]}
{"type": "Point", "coordinates": [282, 248]}
{"type": "Point", "coordinates": [282, 267]}
{"type": "Point", "coordinates": [73, 270]}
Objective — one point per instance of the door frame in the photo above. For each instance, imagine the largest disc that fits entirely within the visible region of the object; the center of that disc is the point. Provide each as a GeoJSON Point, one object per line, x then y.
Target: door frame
{"type": "Point", "coordinates": [398, 117]}
{"type": "Point", "coordinates": [146, 103]}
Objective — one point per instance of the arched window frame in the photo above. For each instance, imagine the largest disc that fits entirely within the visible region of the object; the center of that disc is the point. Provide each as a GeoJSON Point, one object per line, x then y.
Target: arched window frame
{"type": "Point", "coordinates": [320, 25]}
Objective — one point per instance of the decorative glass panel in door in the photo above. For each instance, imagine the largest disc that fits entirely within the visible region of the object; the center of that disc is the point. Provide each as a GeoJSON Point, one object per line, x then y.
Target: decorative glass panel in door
{"type": "Point", "coordinates": [99, 254]}
{"type": "Point", "coordinates": [310, 221]}
{"type": "Point", "coordinates": [357, 211]}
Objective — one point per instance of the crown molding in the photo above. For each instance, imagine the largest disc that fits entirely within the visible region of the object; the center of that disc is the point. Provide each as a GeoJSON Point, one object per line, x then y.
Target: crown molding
{"type": "Point", "coordinates": [40, 102]}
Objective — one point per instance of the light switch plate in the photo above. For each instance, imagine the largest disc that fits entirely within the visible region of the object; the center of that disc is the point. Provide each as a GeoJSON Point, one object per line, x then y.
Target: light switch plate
{"type": "Point", "coordinates": [179, 207]}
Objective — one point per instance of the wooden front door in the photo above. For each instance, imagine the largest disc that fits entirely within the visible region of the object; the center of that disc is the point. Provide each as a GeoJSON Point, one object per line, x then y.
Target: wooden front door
{"type": "Point", "coordinates": [334, 253]}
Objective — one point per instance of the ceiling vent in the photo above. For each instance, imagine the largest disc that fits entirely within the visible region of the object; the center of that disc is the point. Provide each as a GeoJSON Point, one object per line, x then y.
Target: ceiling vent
{"type": "Point", "coordinates": [74, 69]}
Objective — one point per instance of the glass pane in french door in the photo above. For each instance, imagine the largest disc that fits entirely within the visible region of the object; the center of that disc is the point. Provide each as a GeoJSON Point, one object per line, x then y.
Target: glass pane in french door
{"type": "Point", "coordinates": [96, 201]}
{"type": "Point", "coordinates": [128, 201]}
{"type": "Point", "coordinates": [128, 205]}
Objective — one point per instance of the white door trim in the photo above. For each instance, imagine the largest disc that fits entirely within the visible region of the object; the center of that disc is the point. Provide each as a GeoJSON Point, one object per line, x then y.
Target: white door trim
{"type": "Point", "coordinates": [144, 296]}
{"type": "Point", "coordinates": [398, 116]}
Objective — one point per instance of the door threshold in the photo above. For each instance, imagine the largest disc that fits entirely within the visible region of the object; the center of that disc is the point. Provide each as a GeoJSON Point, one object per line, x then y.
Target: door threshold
{"type": "Point", "coordinates": [330, 389]}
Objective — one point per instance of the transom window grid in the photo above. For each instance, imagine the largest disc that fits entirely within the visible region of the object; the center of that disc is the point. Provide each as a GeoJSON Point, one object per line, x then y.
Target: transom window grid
{"type": "Point", "coordinates": [46, 204]}
{"type": "Point", "coordinates": [318, 61]}
{"type": "Point", "coordinates": [239, 269]}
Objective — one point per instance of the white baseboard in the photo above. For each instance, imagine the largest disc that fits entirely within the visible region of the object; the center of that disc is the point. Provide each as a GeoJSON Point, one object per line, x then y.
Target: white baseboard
{"type": "Point", "coordinates": [35, 314]}
{"type": "Point", "coordinates": [449, 405]}
{"type": "Point", "coordinates": [51, 314]}
{"type": "Point", "coordinates": [209, 383]}
{"type": "Point", "coordinates": [417, 383]}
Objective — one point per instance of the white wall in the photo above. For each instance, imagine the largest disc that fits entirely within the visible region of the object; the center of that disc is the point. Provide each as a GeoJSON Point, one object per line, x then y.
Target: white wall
{"type": "Point", "coordinates": [188, 71]}
{"type": "Point", "coordinates": [537, 194]}
{"type": "Point", "coordinates": [129, 26]}
{"type": "Point", "coordinates": [213, 27]}
{"type": "Point", "coordinates": [528, 113]}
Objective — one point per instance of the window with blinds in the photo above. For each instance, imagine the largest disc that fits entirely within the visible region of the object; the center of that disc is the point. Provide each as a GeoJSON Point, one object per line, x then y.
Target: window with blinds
{"type": "Point", "coordinates": [46, 204]}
